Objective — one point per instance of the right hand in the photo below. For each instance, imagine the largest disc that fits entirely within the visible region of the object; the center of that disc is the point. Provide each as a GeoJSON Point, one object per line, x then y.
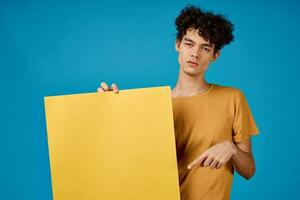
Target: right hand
{"type": "Point", "coordinates": [104, 87]}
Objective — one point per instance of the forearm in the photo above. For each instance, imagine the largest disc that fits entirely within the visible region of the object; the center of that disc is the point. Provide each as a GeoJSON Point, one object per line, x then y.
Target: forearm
{"type": "Point", "coordinates": [243, 163]}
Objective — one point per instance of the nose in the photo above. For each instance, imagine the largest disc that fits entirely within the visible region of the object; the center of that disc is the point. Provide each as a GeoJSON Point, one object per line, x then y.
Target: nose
{"type": "Point", "coordinates": [195, 53]}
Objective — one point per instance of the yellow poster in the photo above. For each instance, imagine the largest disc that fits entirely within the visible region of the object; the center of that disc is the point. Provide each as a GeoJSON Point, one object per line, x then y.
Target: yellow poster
{"type": "Point", "coordinates": [113, 146]}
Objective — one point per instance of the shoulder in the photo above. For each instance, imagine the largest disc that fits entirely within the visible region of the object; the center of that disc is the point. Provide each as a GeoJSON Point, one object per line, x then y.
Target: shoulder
{"type": "Point", "coordinates": [228, 91]}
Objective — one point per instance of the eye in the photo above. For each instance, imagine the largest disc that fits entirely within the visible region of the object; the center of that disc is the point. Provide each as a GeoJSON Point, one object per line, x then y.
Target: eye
{"type": "Point", "coordinates": [206, 49]}
{"type": "Point", "coordinates": [188, 44]}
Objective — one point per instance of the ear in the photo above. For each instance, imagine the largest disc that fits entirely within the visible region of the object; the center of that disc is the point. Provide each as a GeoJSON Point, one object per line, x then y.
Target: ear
{"type": "Point", "coordinates": [177, 45]}
{"type": "Point", "coordinates": [216, 55]}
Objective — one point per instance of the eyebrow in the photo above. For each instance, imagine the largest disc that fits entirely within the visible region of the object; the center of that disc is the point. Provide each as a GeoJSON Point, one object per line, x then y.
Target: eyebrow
{"type": "Point", "coordinates": [190, 40]}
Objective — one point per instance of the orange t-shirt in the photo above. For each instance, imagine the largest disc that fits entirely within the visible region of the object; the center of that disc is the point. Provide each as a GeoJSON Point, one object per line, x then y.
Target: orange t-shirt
{"type": "Point", "coordinates": [200, 121]}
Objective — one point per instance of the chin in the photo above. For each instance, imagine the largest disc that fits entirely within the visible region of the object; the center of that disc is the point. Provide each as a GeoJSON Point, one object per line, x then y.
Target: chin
{"type": "Point", "coordinates": [192, 71]}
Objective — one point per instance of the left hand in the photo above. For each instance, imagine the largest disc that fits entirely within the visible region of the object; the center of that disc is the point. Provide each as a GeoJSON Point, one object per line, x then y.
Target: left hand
{"type": "Point", "coordinates": [216, 156]}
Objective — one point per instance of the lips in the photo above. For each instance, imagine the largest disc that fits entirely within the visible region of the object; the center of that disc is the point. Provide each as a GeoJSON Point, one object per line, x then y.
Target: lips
{"type": "Point", "coordinates": [193, 63]}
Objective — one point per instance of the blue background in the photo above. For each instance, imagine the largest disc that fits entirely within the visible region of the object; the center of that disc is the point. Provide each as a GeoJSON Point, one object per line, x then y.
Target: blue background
{"type": "Point", "coordinates": [53, 48]}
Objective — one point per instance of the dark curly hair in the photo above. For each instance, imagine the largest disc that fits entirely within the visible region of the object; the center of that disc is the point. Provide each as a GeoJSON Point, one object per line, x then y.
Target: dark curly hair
{"type": "Point", "coordinates": [214, 28]}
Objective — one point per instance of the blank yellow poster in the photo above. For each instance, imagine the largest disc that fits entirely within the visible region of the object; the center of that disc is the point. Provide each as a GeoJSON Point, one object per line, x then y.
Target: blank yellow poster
{"type": "Point", "coordinates": [113, 146]}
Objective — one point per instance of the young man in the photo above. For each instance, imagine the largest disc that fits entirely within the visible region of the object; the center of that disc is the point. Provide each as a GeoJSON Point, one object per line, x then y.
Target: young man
{"type": "Point", "coordinates": [213, 123]}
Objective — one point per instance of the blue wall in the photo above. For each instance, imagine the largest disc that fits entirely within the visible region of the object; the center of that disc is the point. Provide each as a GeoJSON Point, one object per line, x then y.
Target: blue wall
{"type": "Point", "coordinates": [53, 48]}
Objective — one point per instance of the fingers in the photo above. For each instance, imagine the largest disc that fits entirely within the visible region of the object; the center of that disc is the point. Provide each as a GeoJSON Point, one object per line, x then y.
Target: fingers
{"type": "Point", "coordinates": [215, 157]}
{"type": "Point", "coordinates": [99, 89]}
{"type": "Point", "coordinates": [104, 87]}
{"type": "Point", "coordinates": [115, 88]}
{"type": "Point", "coordinates": [208, 161]}
{"type": "Point", "coordinates": [219, 165]}
{"type": "Point", "coordinates": [198, 161]}
{"type": "Point", "coordinates": [213, 164]}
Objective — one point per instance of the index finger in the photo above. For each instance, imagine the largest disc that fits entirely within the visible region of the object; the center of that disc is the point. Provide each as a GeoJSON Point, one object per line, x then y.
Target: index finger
{"type": "Point", "coordinates": [199, 160]}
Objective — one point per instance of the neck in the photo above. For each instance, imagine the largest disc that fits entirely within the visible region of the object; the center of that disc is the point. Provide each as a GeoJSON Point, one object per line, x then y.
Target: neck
{"type": "Point", "coordinates": [188, 85]}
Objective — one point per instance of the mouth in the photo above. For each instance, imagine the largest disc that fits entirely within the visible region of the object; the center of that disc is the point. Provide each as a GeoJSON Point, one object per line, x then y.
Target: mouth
{"type": "Point", "coordinates": [194, 64]}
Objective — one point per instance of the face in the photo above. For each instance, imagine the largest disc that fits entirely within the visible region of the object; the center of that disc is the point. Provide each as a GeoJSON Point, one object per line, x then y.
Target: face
{"type": "Point", "coordinates": [195, 53]}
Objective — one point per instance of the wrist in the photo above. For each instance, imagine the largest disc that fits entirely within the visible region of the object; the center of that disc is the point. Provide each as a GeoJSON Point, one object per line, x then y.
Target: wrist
{"type": "Point", "coordinates": [234, 149]}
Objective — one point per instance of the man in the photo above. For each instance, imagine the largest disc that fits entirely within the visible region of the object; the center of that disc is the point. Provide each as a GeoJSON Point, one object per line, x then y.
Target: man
{"type": "Point", "coordinates": [213, 123]}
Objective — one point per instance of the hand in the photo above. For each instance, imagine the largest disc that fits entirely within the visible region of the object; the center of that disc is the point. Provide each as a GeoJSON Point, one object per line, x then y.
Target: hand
{"type": "Point", "coordinates": [216, 156]}
{"type": "Point", "coordinates": [104, 87]}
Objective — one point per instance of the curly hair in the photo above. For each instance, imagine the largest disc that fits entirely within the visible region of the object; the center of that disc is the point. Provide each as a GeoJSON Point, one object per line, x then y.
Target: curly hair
{"type": "Point", "coordinates": [212, 27]}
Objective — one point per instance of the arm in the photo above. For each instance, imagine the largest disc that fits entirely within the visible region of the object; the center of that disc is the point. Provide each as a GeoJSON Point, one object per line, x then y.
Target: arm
{"type": "Point", "coordinates": [243, 160]}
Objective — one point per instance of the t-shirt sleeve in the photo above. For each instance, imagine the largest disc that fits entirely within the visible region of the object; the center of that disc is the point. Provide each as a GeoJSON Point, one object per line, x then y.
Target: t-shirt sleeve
{"type": "Point", "coordinates": [244, 125]}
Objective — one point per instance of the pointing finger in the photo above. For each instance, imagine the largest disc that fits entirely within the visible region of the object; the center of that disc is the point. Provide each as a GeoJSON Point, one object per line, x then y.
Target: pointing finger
{"type": "Point", "coordinates": [199, 160]}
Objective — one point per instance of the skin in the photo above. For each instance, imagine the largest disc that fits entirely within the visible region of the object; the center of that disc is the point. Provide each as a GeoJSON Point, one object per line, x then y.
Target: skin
{"type": "Point", "coordinates": [191, 81]}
